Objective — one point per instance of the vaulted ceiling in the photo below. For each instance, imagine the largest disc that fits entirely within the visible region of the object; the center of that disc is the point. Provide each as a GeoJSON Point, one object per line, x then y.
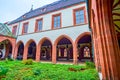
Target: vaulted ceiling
{"type": "Point", "coordinates": [116, 15]}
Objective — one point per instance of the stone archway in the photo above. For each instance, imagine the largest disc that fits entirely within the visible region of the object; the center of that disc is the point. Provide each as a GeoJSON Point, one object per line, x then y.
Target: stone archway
{"type": "Point", "coordinates": [20, 50]}
{"type": "Point", "coordinates": [63, 49]}
{"type": "Point", "coordinates": [44, 50]}
{"type": "Point", "coordinates": [6, 49]}
{"type": "Point", "coordinates": [84, 47]}
{"type": "Point", "coordinates": [30, 50]}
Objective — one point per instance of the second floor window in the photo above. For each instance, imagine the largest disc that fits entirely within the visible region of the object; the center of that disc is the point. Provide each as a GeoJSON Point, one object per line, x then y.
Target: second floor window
{"type": "Point", "coordinates": [39, 24]}
{"type": "Point", "coordinates": [14, 30]}
{"type": "Point", "coordinates": [25, 27]}
{"type": "Point", "coordinates": [79, 16]}
{"type": "Point", "coordinates": [56, 21]}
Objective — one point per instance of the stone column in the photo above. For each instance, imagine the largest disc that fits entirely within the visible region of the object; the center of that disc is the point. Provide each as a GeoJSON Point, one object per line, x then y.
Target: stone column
{"type": "Point", "coordinates": [15, 53]}
{"type": "Point", "coordinates": [54, 54]}
{"type": "Point", "coordinates": [38, 52]}
{"type": "Point", "coordinates": [25, 53]}
{"type": "Point", "coordinates": [75, 60]}
{"type": "Point", "coordinates": [7, 50]}
{"type": "Point", "coordinates": [13, 44]}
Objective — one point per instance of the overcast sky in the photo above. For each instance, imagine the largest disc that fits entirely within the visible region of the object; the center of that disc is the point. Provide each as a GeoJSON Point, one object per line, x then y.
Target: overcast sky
{"type": "Point", "coordinates": [12, 9]}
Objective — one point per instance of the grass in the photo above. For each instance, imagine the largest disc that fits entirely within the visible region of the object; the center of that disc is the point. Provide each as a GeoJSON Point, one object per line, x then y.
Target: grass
{"type": "Point", "coordinates": [17, 70]}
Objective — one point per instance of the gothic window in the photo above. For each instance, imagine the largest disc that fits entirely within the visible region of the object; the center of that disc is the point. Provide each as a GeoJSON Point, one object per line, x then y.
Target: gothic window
{"type": "Point", "coordinates": [86, 52]}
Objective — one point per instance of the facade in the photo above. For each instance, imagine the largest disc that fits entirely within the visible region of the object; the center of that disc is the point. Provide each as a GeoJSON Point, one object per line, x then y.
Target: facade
{"type": "Point", "coordinates": [60, 32]}
{"type": "Point", "coordinates": [55, 32]}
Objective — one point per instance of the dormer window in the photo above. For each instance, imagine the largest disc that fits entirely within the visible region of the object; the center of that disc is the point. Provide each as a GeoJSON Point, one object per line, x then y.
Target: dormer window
{"type": "Point", "coordinates": [24, 16]}
{"type": "Point", "coordinates": [43, 9]}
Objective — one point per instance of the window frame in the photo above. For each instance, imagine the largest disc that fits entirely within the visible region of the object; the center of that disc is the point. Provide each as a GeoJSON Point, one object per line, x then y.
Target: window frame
{"type": "Point", "coordinates": [36, 25]}
{"type": "Point", "coordinates": [53, 16]}
{"type": "Point", "coordinates": [24, 27]}
{"type": "Point", "coordinates": [14, 30]}
{"type": "Point", "coordinates": [74, 15]}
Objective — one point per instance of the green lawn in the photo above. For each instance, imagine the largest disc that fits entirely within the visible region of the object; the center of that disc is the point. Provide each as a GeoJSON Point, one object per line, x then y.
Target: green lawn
{"type": "Point", "coordinates": [17, 70]}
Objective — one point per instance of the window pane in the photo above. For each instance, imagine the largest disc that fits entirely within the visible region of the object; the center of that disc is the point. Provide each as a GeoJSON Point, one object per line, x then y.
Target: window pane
{"type": "Point", "coordinates": [55, 25]}
{"type": "Point", "coordinates": [25, 28]}
{"type": "Point", "coordinates": [14, 30]}
{"type": "Point", "coordinates": [39, 25]}
{"type": "Point", "coordinates": [79, 16]}
{"type": "Point", "coordinates": [81, 12]}
{"type": "Point", "coordinates": [57, 22]}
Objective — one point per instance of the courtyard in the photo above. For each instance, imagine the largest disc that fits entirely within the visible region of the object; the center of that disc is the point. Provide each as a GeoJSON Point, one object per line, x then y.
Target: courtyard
{"type": "Point", "coordinates": [29, 70]}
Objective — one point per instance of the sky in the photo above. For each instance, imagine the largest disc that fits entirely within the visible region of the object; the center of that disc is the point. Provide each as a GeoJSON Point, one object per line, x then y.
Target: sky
{"type": "Point", "coordinates": [12, 9]}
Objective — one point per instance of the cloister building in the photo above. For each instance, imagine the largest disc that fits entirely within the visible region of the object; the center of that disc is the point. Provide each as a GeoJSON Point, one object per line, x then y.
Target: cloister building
{"type": "Point", "coordinates": [55, 32]}
{"type": "Point", "coordinates": [67, 31]}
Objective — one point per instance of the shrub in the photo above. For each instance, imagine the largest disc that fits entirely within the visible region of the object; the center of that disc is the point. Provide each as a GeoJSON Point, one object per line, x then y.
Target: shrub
{"type": "Point", "coordinates": [28, 62]}
{"type": "Point", "coordinates": [90, 65]}
{"type": "Point", "coordinates": [37, 72]}
{"type": "Point", "coordinates": [10, 59]}
{"type": "Point", "coordinates": [28, 78]}
{"type": "Point", "coordinates": [3, 71]}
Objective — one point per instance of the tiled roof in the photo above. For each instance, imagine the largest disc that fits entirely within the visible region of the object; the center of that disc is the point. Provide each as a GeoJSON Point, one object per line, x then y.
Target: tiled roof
{"type": "Point", "coordinates": [48, 8]}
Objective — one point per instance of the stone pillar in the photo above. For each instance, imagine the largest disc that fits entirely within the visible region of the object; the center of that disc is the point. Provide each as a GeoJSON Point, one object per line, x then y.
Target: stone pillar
{"type": "Point", "coordinates": [104, 33]}
{"type": "Point", "coordinates": [16, 52]}
{"type": "Point", "coordinates": [25, 53]}
{"type": "Point", "coordinates": [54, 50]}
{"type": "Point", "coordinates": [13, 44]}
{"type": "Point", "coordinates": [13, 50]}
{"type": "Point", "coordinates": [7, 50]}
{"type": "Point", "coordinates": [75, 60]}
{"type": "Point", "coordinates": [38, 52]}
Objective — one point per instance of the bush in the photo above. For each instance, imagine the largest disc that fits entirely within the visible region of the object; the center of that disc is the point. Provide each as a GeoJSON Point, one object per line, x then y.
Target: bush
{"type": "Point", "coordinates": [28, 62]}
{"type": "Point", "coordinates": [37, 72]}
{"type": "Point", "coordinates": [3, 71]}
{"type": "Point", "coordinates": [28, 78]}
{"type": "Point", "coordinates": [90, 65]}
{"type": "Point", "coordinates": [10, 59]}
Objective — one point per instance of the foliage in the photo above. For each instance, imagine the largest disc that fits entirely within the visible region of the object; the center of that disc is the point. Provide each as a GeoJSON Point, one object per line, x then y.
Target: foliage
{"type": "Point", "coordinates": [3, 71]}
{"type": "Point", "coordinates": [47, 71]}
{"type": "Point", "coordinates": [36, 72]}
{"type": "Point", "coordinates": [6, 60]}
{"type": "Point", "coordinates": [10, 59]}
{"type": "Point", "coordinates": [90, 65]}
{"type": "Point", "coordinates": [28, 62]}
